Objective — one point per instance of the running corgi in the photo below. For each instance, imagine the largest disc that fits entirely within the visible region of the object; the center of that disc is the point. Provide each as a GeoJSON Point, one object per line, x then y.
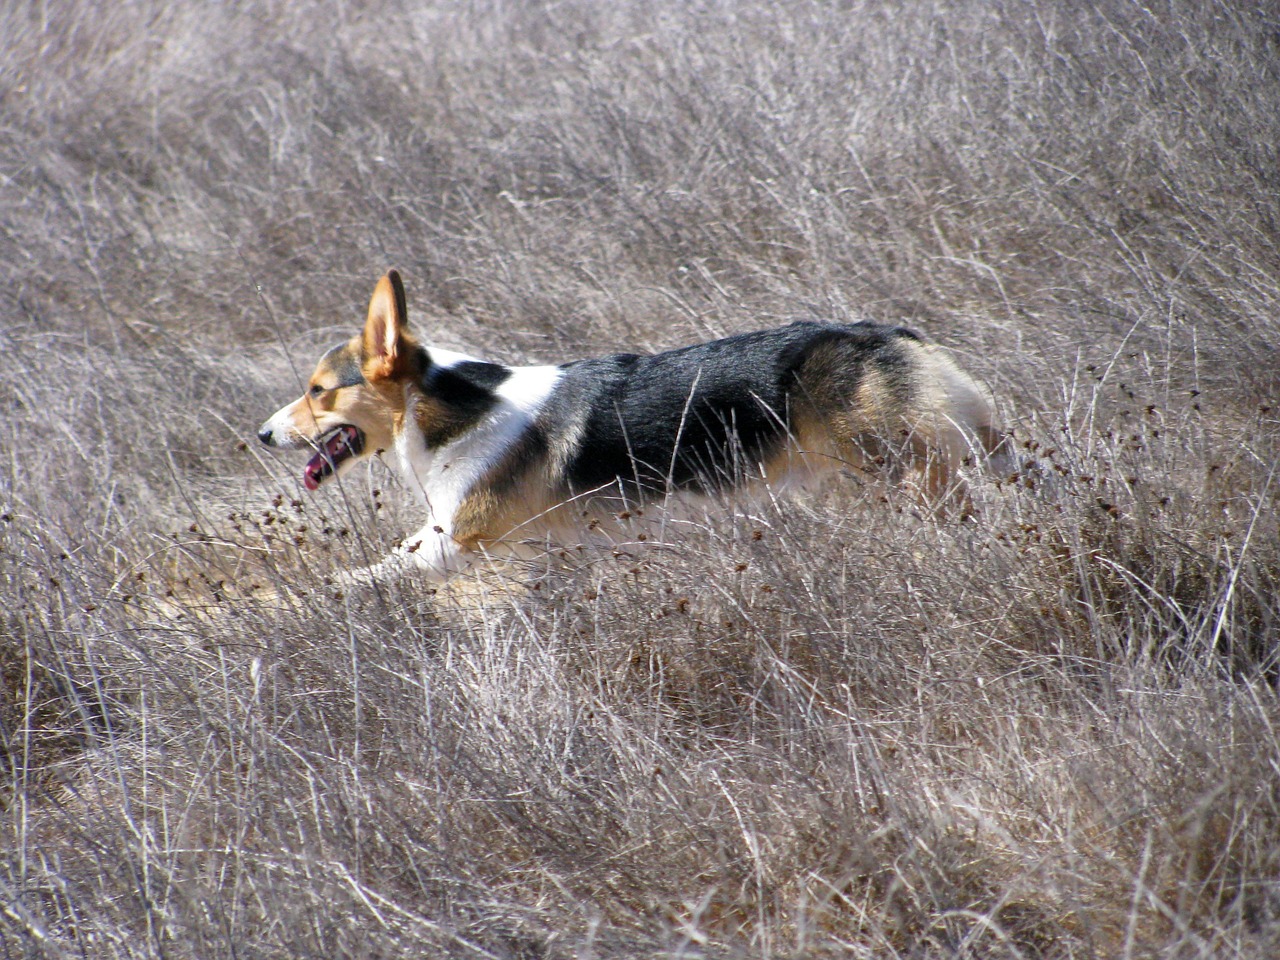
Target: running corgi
{"type": "Point", "coordinates": [500, 454]}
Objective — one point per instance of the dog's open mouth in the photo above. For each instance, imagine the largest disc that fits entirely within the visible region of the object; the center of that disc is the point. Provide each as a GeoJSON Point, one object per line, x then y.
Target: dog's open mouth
{"type": "Point", "coordinates": [341, 443]}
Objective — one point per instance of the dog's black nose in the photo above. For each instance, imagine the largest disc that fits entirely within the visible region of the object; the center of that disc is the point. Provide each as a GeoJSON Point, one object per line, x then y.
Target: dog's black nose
{"type": "Point", "coordinates": [265, 435]}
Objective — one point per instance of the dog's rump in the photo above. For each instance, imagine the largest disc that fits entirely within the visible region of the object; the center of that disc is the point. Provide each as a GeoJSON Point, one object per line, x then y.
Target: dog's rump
{"type": "Point", "coordinates": [706, 417]}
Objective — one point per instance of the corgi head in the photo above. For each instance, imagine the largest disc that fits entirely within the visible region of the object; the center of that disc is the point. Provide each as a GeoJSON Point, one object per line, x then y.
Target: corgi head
{"type": "Point", "coordinates": [354, 403]}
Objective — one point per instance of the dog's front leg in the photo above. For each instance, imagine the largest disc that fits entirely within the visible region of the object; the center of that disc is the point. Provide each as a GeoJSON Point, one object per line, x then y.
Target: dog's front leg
{"type": "Point", "coordinates": [431, 552]}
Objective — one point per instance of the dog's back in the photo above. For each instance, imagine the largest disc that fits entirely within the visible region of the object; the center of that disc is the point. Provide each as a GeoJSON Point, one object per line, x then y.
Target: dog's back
{"type": "Point", "coordinates": [760, 405]}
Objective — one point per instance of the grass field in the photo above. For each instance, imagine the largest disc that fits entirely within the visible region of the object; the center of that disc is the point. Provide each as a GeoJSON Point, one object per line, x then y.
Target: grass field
{"type": "Point", "coordinates": [820, 726]}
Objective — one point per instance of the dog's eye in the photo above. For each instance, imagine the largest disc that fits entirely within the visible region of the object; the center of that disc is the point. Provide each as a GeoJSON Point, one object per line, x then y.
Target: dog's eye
{"type": "Point", "coordinates": [316, 390]}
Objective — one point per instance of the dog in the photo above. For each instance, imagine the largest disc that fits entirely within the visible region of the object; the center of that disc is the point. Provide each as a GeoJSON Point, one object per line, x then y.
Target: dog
{"type": "Point", "coordinates": [501, 453]}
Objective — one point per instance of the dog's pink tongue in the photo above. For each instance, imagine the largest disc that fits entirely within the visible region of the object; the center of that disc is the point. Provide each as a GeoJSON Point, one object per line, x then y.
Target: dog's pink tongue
{"type": "Point", "coordinates": [313, 472]}
{"type": "Point", "coordinates": [340, 445]}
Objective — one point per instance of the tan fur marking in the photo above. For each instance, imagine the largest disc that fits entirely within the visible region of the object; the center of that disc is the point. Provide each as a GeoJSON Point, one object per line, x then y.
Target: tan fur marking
{"type": "Point", "coordinates": [374, 408]}
{"type": "Point", "coordinates": [384, 329]}
{"type": "Point", "coordinates": [486, 517]}
{"type": "Point", "coordinates": [904, 412]}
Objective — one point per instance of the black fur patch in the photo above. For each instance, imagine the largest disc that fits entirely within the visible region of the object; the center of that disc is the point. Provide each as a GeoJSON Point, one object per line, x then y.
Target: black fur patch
{"type": "Point", "coordinates": [345, 367]}
{"type": "Point", "coordinates": [698, 418]}
{"type": "Point", "coordinates": [479, 373]}
{"type": "Point", "coordinates": [349, 373]}
{"type": "Point", "coordinates": [461, 395]}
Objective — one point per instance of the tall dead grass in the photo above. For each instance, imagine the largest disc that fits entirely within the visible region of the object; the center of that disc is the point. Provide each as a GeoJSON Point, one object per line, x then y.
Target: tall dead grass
{"type": "Point", "coordinates": [811, 727]}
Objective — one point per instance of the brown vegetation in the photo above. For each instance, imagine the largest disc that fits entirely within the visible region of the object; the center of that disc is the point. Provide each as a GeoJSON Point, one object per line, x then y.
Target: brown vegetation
{"type": "Point", "coordinates": [824, 726]}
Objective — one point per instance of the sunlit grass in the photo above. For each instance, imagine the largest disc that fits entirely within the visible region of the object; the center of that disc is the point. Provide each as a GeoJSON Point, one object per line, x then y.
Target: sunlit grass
{"type": "Point", "coordinates": [804, 727]}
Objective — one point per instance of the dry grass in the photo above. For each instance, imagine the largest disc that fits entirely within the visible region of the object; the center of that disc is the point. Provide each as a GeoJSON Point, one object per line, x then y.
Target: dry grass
{"type": "Point", "coordinates": [817, 727]}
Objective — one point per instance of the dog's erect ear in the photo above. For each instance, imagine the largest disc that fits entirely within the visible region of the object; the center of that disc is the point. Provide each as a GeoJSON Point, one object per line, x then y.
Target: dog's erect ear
{"type": "Point", "coordinates": [384, 330]}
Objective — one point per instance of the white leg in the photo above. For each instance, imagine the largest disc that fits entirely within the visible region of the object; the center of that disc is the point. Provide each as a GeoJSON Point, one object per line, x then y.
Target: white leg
{"type": "Point", "coordinates": [429, 552]}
